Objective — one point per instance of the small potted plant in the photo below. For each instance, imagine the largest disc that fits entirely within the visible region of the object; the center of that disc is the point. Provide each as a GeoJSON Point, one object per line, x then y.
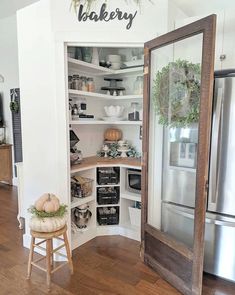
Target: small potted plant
{"type": "Point", "coordinates": [48, 215]}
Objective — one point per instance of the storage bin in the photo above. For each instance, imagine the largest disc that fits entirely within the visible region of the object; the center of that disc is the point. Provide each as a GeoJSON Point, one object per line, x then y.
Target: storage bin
{"type": "Point", "coordinates": [108, 175]}
{"type": "Point", "coordinates": [135, 216]}
{"type": "Point", "coordinates": [81, 187]}
{"type": "Point", "coordinates": [107, 195]}
{"type": "Point", "coordinates": [105, 216]}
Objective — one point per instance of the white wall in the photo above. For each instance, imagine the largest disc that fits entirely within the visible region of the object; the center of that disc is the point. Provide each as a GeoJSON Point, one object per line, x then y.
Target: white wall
{"type": "Point", "coordinates": [8, 68]}
{"type": "Point", "coordinates": [43, 30]}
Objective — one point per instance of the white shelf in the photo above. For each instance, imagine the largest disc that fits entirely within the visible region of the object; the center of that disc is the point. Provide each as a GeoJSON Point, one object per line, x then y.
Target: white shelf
{"type": "Point", "coordinates": [82, 201]}
{"type": "Point", "coordinates": [131, 196]}
{"type": "Point", "coordinates": [100, 122]}
{"type": "Point", "coordinates": [108, 185]}
{"type": "Point", "coordinates": [92, 69]}
{"type": "Point", "coordinates": [107, 205]}
{"type": "Point", "coordinates": [103, 96]}
{"type": "Point", "coordinates": [88, 68]}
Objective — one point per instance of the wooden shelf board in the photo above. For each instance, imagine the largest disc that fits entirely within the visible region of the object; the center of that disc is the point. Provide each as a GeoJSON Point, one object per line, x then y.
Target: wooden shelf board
{"type": "Point", "coordinates": [93, 69]}
{"type": "Point", "coordinates": [93, 162]}
{"type": "Point", "coordinates": [100, 122]}
{"type": "Point", "coordinates": [96, 95]}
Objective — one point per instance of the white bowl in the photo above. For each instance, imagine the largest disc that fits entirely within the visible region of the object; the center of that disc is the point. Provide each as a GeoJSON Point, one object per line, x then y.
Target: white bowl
{"type": "Point", "coordinates": [114, 58]}
{"type": "Point", "coordinates": [114, 111]}
{"type": "Point", "coordinates": [115, 66]}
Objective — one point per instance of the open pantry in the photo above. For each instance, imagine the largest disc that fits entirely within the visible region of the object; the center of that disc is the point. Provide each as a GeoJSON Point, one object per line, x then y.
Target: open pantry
{"type": "Point", "coordinates": [105, 103]}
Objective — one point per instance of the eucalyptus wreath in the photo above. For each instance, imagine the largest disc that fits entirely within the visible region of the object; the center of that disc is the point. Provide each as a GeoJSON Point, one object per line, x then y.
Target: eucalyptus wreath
{"type": "Point", "coordinates": [176, 93]}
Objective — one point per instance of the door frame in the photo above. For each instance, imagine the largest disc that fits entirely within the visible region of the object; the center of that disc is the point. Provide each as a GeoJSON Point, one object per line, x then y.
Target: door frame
{"type": "Point", "coordinates": [206, 26]}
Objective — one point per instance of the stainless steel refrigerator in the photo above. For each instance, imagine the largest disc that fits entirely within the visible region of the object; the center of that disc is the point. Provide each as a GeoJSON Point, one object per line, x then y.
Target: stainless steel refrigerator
{"type": "Point", "coordinates": [179, 177]}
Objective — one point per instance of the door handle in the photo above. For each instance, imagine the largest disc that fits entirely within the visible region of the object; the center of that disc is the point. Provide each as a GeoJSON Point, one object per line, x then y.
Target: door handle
{"type": "Point", "coordinates": [208, 220]}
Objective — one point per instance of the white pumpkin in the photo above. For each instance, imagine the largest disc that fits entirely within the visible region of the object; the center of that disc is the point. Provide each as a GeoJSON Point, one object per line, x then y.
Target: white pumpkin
{"type": "Point", "coordinates": [47, 224]}
{"type": "Point", "coordinates": [48, 203]}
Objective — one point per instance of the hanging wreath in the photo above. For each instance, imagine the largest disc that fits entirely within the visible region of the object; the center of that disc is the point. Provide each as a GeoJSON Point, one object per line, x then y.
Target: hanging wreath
{"type": "Point", "coordinates": [176, 93]}
{"type": "Point", "coordinates": [14, 106]}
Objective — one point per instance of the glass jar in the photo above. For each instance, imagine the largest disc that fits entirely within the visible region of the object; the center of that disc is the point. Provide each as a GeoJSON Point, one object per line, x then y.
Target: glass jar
{"type": "Point", "coordinates": [138, 85]}
{"type": "Point", "coordinates": [134, 112]}
{"type": "Point", "coordinates": [87, 54]}
{"type": "Point", "coordinates": [90, 85]}
{"type": "Point", "coordinates": [84, 84]}
{"type": "Point", "coordinates": [78, 53]}
{"type": "Point", "coordinates": [70, 82]}
{"type": "Point", "coordinates": [76, 82]}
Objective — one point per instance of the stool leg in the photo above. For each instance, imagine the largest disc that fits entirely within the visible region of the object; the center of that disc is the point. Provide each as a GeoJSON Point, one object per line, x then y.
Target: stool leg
{"type": "Point", "coordinates": [30, 258]}
{"type": "Point", "coordinates": [66, 242]}
{"type": "Point", "coordinates": [48, 263]}
{"type": "Point", "coordinates": [52, 254]}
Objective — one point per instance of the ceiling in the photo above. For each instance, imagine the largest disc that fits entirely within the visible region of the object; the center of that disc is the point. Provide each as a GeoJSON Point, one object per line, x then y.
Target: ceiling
{"type": "Point", "coordinates": [197, 7]}
{"type": "Point", "coordinates": [9, 7]}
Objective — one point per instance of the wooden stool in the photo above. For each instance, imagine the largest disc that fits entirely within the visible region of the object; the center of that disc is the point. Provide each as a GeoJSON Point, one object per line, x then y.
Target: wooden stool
{"type": "Point", "coordinates": [48, 238]}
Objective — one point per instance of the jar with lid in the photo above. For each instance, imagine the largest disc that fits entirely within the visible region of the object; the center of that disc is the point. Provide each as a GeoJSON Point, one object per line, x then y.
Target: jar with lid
{"type": "Point", "coordinates": [90, 85]}
{"type": "Point", "coordinates": [134, 112]}
{"type": "Point", "coordinates": [84, 84]}
{"type": "Point", "coordinates": [70, 82]}
{"type": "Point", "coordinates": [138, 85]}
{"type": "Point", "coordinates": [76, 82]}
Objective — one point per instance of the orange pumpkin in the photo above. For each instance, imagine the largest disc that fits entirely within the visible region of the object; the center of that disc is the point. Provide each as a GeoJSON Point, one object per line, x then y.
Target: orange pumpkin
{"type": "Point", "coordinates": [48, 203]}
{"type": "Point", "coordinates": [113, 134]}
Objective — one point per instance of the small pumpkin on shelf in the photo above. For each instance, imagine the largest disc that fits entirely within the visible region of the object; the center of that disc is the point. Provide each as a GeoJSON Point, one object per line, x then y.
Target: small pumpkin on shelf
{"type": "Point", "coordinates": [113, 134]}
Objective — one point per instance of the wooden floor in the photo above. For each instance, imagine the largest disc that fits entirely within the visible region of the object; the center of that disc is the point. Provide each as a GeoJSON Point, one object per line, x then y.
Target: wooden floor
{"type": "Point", "coordinates": [104, 266]}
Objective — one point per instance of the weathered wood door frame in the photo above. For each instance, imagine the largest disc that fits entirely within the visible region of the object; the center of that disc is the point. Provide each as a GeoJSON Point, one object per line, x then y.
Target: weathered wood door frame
{"type": "Point", "coordinates": [195, 256]}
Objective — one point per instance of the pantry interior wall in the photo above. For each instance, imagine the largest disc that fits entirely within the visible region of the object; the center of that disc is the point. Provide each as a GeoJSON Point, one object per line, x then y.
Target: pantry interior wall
{"type": "Point", "coordinates": [44, 30]}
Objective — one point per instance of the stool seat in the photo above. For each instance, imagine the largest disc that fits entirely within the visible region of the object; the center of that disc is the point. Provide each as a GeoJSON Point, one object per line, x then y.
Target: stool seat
{"type": "Point", "coordinates": [48, 239]}
{"type": "Point", "coordinates": [50, 235]}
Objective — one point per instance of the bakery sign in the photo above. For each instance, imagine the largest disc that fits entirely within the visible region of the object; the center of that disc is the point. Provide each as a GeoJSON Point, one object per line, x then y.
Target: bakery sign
{"type": "Point", "coordinates": [104, 15]}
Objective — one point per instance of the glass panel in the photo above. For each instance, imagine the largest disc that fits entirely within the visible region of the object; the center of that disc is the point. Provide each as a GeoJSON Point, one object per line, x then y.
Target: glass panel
{"type": "Point", "coordinates": [174, 115]}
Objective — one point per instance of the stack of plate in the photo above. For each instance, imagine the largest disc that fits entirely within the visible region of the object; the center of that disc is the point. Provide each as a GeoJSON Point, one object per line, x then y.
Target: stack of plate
{"type": "Point", "coordinates": [115, 60]}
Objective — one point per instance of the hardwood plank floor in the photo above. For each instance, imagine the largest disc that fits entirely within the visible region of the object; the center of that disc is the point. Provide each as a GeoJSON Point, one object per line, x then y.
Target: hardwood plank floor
{"type": "Point", "coordinates": [104, 266]}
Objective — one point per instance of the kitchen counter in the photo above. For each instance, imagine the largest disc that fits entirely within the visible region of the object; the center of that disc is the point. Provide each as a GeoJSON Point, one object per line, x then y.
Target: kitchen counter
{"type": "Point", "coordinates": [92, 162]}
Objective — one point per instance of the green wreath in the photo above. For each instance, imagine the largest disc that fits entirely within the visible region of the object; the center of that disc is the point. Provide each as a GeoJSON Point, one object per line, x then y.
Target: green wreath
{"type": "Point", "coordinates": [176, 93]}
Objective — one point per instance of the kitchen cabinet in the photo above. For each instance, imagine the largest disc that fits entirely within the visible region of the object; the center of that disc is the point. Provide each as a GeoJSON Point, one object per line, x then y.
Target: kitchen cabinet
{"type": "Point", "coordinates": [6, 163]}
{"type": "Point", "coordinates": [225, 38]}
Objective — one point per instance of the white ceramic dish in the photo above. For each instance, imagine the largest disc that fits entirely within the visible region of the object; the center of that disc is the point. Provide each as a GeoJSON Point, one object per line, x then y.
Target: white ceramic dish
{"type": "Point", "coordinates": [114, 58]}
{"type": "Point", "coordinates": [115, 66]}
{"type": "Point", "coordinates": [114, 111]}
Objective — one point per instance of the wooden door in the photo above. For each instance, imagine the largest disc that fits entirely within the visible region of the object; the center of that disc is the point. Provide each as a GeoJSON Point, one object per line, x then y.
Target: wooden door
{"type": "Point", "coordinates": [178, 76]}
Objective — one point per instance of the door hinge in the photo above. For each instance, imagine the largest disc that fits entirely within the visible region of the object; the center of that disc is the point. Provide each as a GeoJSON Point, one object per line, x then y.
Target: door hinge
{"type": "Point", "coordinates": [206, 186]}
{"type": "Point", "coordinates": [146, 70]}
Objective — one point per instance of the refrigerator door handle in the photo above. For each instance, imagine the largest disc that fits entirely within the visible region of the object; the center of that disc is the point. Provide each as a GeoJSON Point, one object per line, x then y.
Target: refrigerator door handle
{"type": "Point", "coordinates": [215, 150]}
{"type": "Point", "coordinates": [208, 220]}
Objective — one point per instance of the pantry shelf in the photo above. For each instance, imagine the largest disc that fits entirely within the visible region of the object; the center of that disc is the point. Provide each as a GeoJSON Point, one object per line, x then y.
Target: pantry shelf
{"type": "Point", "coordinates": [92, 69]}
{"type": "Point", "coordinates": [132, 197]}
{"type": "Point", "coordinates": [103, 96]}
{"type": "Point", "coordinates": [99, 122]}
{"type": "Point", "coordinates": [82, 201]}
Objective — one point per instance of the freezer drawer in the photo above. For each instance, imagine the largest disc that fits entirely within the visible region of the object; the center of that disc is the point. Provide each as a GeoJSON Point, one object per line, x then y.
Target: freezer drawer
{"type": "Point", "coordinates": [219, 238]}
